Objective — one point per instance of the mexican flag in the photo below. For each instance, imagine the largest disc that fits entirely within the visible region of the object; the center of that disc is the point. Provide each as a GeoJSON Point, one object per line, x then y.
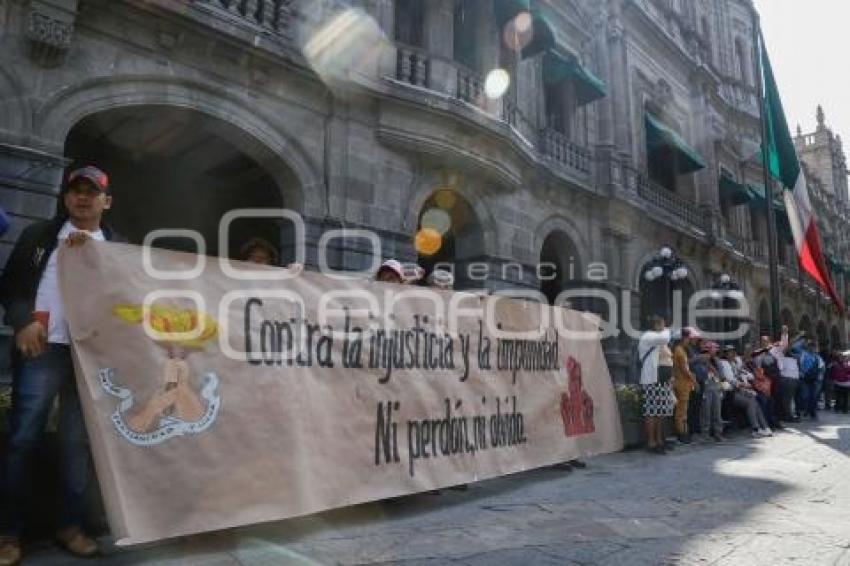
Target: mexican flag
{"type": "Point", "coordinates": [785, 167]}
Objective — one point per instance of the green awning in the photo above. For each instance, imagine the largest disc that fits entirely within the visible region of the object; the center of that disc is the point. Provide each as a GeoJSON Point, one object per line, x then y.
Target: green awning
{"type": "Point", "coordinates": [732, 191]}
{"type": "Point", "coordinates": [507, 10]}
{"type": "Point", "coordinates": [659, 137]}
{"type": "Point", "coordinates": [758, 195]}
{"type": "Point", "coordinates": [542, 39]}
{"type": "Point", "coordinates": [589, 87]}
{"type": "Point", "coordinates": [559, 65]}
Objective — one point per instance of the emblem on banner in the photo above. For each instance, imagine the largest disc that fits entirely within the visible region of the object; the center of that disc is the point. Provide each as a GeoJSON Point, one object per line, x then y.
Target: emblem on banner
{"type": "Point", "coordinates": [177, 407]}
{"type": "Point", "coordinates": [576, 403]}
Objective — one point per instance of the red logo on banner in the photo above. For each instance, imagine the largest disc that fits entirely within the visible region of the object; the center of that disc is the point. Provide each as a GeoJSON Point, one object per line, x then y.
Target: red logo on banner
{"type": "Point", "coordinates": [576, 404]}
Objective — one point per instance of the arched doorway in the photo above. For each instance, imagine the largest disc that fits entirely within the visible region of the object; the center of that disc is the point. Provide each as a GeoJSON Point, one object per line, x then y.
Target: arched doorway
{"type": "Point", "coordinates": [172, 167]}
{"type": "Point", "coordinates": [449, 236]}
{"type": "Point", "coordinates": [559, 265]}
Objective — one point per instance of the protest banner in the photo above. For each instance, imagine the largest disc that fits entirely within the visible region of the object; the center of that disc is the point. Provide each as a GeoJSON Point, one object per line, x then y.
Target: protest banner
{"type": "Point", "coordinates": [216, 399]}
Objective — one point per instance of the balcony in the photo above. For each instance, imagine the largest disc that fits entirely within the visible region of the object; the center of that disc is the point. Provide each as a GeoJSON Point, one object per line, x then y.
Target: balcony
{"type": "Point", "coordinates": [272, 18]}
{"type": "Point", "coordinates": [750, 249]}
{"type": "Point", "coordinates": [556, 147]}
{"type": "Point", "coordinates": [469, 85]}
{"type": "Point", "coordinates": [413, 66]}
{"type": "Point", "coordinates": [686, 210]}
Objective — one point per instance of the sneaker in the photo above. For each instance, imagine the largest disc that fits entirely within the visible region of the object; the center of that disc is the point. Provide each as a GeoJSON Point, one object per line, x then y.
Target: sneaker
{"type": "Point", "coordinates": [719, 438]}
{"type": "Point", "coordinates": [684, 439]}
{"type": "Point", "coordinates": [75, 541]}
{"type": "Point", "coordinates": [766, 432]}
{"type": "Point", "coordinates": [10, 551]}
{"type": "Point", "coordinates": [756, 433]}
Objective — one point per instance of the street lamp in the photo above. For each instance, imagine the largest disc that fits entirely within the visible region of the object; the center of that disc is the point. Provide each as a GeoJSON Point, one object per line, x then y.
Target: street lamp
{"type": "Point", "coordinates": [665, 265]}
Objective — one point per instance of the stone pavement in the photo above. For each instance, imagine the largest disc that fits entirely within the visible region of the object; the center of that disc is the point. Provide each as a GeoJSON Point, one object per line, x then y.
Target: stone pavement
{"type": "Point", "coordinates": [780, 500]}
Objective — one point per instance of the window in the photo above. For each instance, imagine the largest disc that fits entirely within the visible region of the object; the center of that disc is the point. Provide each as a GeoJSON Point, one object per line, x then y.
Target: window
{"type": "Point", "coordinates": [670, 160]}
{"type": "Point", "coordinates": [465, 29]}
{"type": "Point", "coordinates": [559, 107]}
{"type": "Point", "coordinates": [743, 61]}
{"type": "Point", "coordinates": [409, 22]}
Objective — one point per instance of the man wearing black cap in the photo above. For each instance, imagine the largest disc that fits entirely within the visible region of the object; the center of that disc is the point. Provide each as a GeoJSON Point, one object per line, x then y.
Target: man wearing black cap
{"type": "Point", "coordinates": [42, 365]}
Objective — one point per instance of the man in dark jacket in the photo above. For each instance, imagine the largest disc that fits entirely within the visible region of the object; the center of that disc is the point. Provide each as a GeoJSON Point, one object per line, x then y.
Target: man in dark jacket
{"type": "Point", "coordinates": [42, 365]}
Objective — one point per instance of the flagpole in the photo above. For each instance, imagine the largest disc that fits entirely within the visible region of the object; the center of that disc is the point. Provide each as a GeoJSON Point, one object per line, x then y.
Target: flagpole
{"type": "Point", "coordinates": [768, 184]}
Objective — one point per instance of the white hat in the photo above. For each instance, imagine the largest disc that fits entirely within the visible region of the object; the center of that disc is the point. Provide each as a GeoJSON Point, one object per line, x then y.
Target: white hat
{"type": "Point", "coordinates": [393, 265]}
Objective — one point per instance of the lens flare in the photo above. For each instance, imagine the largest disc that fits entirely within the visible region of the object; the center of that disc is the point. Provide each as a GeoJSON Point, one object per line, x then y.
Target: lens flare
{"type": "Point", "coordinates": [445, 199]}
{"type": "Point", "coordinates": [518, 32]}
{"type": "Point", "coordinates": [497, 83]}
{"type": "Point", "coordinates": [436, 219]}
{"type": "Point", "coordinates": [428, 241]}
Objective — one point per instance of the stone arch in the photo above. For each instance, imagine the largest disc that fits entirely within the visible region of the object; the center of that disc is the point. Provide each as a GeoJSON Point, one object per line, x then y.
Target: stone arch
{"type": "Point", "coordinates": [468, 191]}
{"type": "Point", "coordinates": [561, 223]}
{"type": "Point", "coordinates": [557, 266]}
{"type": "Point", "coordinates": [449, 235]}
{"type": "Point", "coordinates": [277, 151]}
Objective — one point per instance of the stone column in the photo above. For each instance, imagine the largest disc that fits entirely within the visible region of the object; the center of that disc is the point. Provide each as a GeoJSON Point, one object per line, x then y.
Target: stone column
{"type": "Point", "coordinates": [605, 177]}
{"type": "Point", "coordinates": [619, 85]}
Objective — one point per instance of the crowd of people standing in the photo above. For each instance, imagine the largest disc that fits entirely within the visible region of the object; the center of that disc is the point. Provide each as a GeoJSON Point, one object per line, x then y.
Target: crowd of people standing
{"type": "Point", "coordinates": [707, 388]}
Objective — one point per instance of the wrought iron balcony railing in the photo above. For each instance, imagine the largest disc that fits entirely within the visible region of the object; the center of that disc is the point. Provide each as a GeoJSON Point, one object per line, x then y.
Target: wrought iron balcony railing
{"type": "Point", "coordinates": [555, 146]}
{"type": "Point", "coordinates": [273, 17]}
{"type": "Point", "coordinates": [413, 66]}
{"type": "Point", "coordinates": [665, 199]}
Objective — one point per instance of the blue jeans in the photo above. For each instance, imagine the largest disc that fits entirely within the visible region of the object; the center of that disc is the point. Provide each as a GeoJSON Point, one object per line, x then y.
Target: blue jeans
{"type": "Point", "coordinates": [807, 398]}
{"type": "Point", "coordinates": [816, 391]}
{"type": "Point", "coordinates": [36, 383]}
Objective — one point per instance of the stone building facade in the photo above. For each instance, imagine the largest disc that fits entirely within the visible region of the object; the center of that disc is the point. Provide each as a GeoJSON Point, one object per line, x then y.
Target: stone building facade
{"type": "Point", "coordinates": [627, 125]}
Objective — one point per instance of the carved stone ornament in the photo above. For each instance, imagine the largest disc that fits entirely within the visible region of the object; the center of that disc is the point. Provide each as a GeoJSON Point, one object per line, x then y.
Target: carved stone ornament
{"type": "Point", "coordinates": [50, 29]}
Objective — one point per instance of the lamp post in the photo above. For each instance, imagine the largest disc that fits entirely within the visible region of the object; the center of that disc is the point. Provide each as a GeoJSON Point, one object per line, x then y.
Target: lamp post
{"type": "Point", "coordinates": [726, 290]}
{"type": "Point", "coordinates": [668, 267]}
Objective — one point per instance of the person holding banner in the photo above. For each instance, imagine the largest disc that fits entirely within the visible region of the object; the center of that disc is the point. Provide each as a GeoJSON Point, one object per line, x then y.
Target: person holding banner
{"type": "Point", "coordinates": [656, 372]}
{"type": "Point", "coordinates": [42, 366]}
